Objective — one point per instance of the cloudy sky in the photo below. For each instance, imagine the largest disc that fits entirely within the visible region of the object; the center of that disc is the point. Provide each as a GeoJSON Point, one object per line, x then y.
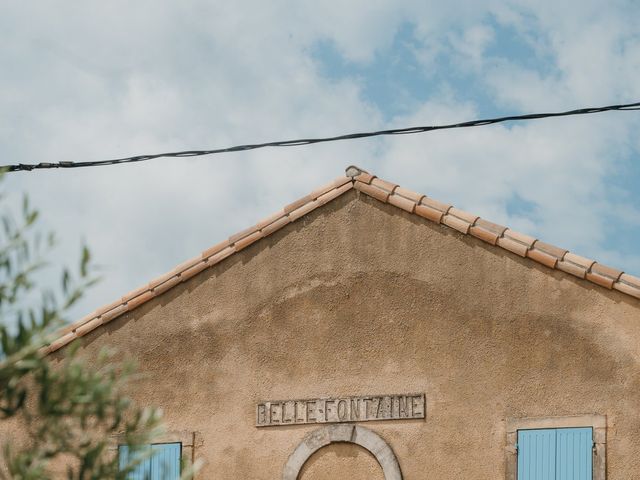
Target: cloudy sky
{"type": "Point", "coordinates": [86, 80]}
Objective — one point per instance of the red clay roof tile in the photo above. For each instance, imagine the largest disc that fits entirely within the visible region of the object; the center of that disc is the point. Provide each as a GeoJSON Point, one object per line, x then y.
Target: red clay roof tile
{"type": "Point", "coordinates": [415, 197]}
{"type": "Point", "coordinates": [248, 240]}
{"type": "Point", "coordinates": [403, 203]}
{"type": "Point", "coordinates": [456, 223]}
{"type": "Point", "coordinates": [429, 213]}
{"type": "Point", "coordinates": [483, 234]}
{"type": "Point", "coordinates": [277, 225]}
{"type": "Point", "coordinates": [383, 184]}
{"type": "Point", "coordinates": [572, 268]}
{"type": "Point", "coordinates": [430, 202]}
{"type": "Point", "coordinates": [364, 177]}
{"type": "Point", "coordinates": [298, 203]}
{"type": "Point", "coordinates": [520, 237]}
{"type": "Point", "coordinates": [606, 271]}
{"type": "Point", "coordinates": [628, 289]}
{"type": "Point", "coordinates": [516, 247]}
{"type": "Point", "coordinates": [600, 280]}
{"type": "Point", "coordinates": [542, 257]}
{"type": "Point", "coordinates": [215, 249]}
{"type": "Point", "coordinates": [551, 249]}
{"type": "Point", "coordinates": [372, 191]}
{"type": "Point", "coordinates": [492, 227]}
{"type": "Point", "coordinates": [630, 279]}
{"type": "Point", "coordinates": [461, 214]}
{"type": "Point", "coordinates": [578, 260]}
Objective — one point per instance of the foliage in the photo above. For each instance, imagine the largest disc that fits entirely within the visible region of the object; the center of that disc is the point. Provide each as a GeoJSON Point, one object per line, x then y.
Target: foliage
{"type": "Point", "coordinates": [68, 411]}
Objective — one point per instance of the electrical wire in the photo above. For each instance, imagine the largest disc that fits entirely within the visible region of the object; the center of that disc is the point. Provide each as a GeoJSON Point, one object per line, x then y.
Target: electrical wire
{"type": "Point", "coordinates": [311, 141]}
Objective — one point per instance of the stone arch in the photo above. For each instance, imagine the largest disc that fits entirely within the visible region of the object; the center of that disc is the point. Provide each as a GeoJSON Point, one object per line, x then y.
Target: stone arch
{"type": "Point", "coordinates": [348, 433]}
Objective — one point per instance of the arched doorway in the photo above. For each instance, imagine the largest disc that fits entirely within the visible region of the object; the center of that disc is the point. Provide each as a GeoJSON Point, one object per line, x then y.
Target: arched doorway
{"type": "Point", "coordinates": [342, 434]}
{"type": "Point", "coordinates": [341, 461]}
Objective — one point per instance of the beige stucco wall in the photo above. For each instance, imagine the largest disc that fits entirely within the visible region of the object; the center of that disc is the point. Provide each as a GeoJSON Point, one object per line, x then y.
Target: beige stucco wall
{"type": "Point", "coordinates": [360, 297]}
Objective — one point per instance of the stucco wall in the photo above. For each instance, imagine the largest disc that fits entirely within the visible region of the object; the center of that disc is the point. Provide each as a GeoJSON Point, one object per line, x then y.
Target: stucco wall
{"type": "Point", "coordinates": [360, 297]}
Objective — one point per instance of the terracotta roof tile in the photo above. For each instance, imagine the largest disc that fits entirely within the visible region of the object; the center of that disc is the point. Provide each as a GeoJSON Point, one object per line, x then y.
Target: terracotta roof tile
{"type": "Point", "coordinates": [578, 260]}
{"type": "Point", "coordinates": [600, 280]}
{"type": "Point", "coordinates": [115, 312]}
{"type": "Point", "coordinates": [270, 219]}
{"type": "Point", "coordinates": [461, 214]}
{"type": "Point", "coordinates": [153, 284]}
{"type": "Point", "coordinates": [429, 213]}
{"type": "Point", "coordinates": [215, 249]}
{"type": "Point", "coordinates": [513, 246]}
{"type": "Point", "coordinates": [415, 197]}
{"type": "Point", "coordinates": [403, 203]}
{"type": "Point", "coordinates": [298, 203]}
{"type": "Point", "coordinates": [303, 210]}
{"type": "Point", "coordinates": [542, 257]}
{"type": "Point", "coordinates": [87, 327]}
{"type": "Point", "coordinates": [134, 293]}
{"type": "Point", "coordinates": [483, 234]}
{"type": "Point", "coordinates": [169, 284]}
{"type": "Point", "coordinates": [433, 210]}
{"type": "Point", "coordinates": [551, 249]}
{"type": "Point", "coordinates": [248, 240]}
{"type": "Point", "coordinates": [606, 271]}
{"type": "Point", "coordinates": [277, 225]}
{"type": "Point", "coordinates": [62, 341]}
{"type": "Point", "coordinates": [520, 237]}
{"type": "Point", "coordinates": [630, 279]}
{"type": "Point", "coordinates": [364, 177]}
{"type": "Point", "coordinates": [234, 238]}
{"type": "Point", "coordinates": [140, 299]}
{"type": "Point", "coordinates": [372, 191]}
{"type": "Point", "coordinates": [338, 182]}
{"type": "Point", "coordinates": [383, 184]}
{"type": "Point", "coordinates": [572, 268]}
{"type": "Point", "coordinates": [456, 223]}
{"type": "Point", "coordinates": [185, 265]}
{"type": "Point", "coordinates": [430, 202]}
{"type": "Point", "coordinates": [197, 268]}
{"type": "Point", "coordinates": [628, 289]}
{"type": "Point", "coordinates": [327, 197]}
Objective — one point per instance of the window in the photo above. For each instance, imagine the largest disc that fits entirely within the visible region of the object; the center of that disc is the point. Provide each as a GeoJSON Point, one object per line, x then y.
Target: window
{"type": "Point", "coordinates": [555, 454]}
{"type": "Point", "coordinates": [556, 448]}
{"type": "Point", "coordinates": [162, 462]}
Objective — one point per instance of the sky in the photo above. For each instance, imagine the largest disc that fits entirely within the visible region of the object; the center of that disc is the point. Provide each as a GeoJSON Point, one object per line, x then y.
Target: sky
{"type": "Point", "coordinates": [88, 80]}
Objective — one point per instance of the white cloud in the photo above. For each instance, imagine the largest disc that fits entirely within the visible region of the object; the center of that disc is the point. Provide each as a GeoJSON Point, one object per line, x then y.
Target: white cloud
{"type": "Point", "coordinates": [86, 80]}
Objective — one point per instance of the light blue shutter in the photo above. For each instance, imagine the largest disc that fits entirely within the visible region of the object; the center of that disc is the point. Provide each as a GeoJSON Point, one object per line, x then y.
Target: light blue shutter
{"type": "Point", "coordinates": [574, 454]}
{"type": "Point", "coordinates": [555, 454]}
{"type": "Point", "coordinates": [165, 463]}
{"type": "Point", "coordinates": [142, 471]}
{"type": "Point", "coordinates": [537, 455]}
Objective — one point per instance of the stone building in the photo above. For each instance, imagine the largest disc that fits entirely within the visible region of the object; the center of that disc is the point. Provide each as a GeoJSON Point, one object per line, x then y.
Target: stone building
{"type": "Point", "coordinates": [369, 332]}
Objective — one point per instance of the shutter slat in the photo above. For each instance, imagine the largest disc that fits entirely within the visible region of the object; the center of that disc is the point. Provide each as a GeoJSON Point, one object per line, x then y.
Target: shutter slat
{"type": "Point", "coordinates": [537, 454]}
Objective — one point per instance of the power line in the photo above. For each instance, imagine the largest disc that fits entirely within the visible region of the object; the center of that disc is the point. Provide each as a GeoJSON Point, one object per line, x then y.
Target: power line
{"type": "Point", "coordinates": [310, 141]}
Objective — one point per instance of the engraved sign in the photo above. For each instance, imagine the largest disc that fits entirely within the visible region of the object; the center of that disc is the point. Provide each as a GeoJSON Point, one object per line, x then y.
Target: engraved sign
{"type": "Point", "coordinates": [341, 409]}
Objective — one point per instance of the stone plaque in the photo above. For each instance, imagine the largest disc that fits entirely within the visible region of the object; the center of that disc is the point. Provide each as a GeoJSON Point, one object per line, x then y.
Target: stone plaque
{"type": "Point", "coordinates": [341, 409]}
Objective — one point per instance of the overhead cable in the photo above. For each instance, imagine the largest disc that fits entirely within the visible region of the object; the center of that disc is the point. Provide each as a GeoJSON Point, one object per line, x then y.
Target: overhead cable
{"type": "Point", "coordinates": [311, 141]}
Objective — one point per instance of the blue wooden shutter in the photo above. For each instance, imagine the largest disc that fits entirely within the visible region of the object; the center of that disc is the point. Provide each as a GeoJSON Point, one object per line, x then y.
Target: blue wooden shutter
{"type": "Point", "coordinates": [555, 454]}
{"type": "Point", "coordinates": [574, 454]}
{"type": "Point", "coordinates": [142, 471]}
{"type": "Point", "coordinates": [165, 462]}
{"type": "Point", "coordinates": [537, 455]}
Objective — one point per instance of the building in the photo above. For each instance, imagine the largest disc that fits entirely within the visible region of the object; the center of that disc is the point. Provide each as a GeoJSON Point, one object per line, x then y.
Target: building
{"type": "Point", "coordinates": [369, 332]}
